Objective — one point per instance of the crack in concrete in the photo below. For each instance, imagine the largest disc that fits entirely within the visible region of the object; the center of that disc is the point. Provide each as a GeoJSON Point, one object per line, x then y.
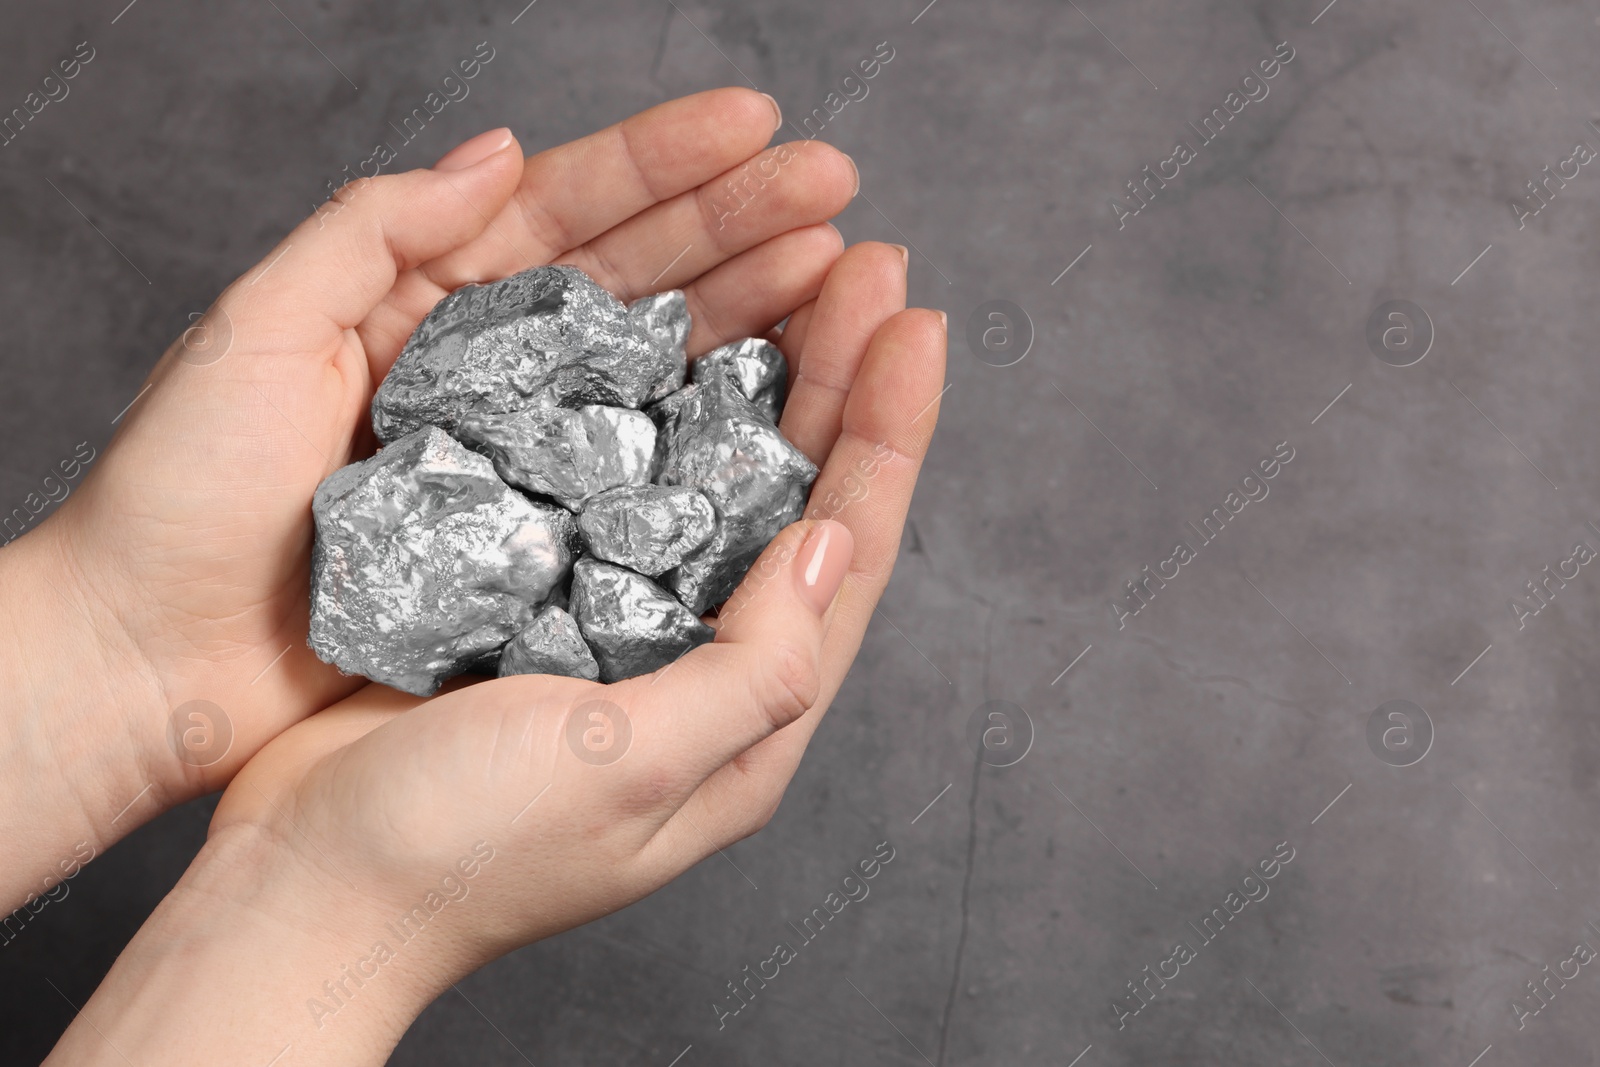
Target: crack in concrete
{"type": "Point", "coordinates": [1196, 676]}
{"type": "Point", "coordinates": [966, 898]}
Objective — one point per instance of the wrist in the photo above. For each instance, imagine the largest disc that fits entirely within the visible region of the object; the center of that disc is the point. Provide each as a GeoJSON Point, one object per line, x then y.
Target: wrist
{"type": "Point", "coordinates": [76, 770]}
{"type": "Point", "coordinates": [257, 950]}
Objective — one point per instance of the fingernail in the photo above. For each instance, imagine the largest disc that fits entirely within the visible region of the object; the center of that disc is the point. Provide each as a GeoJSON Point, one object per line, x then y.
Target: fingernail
{"type": "Point", "coordinates": [905, 254]}
{"type": "Point", "coordinates": [471, 153]}
{"type": "Point", "coordinates": [944, 322]}
{"type": "Point", "coordinates": [857, 171]}
{"type": "Point", "coordinates": [821, 565]}
{"type": "Point", "coordinates": [777, 113]}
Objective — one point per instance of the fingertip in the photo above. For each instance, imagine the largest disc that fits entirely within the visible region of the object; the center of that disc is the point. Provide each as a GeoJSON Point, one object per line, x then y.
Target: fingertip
{"type": "Point", "coordinates": [832, 174]}
{"type": "Point", "coordinates": [867, 285]}
{"type": "Point", "coordinates": [822, 563]}
{"type": "Point", "coordinates": [919, 324]}
{"type": "Point", "coordinates": [846, 171]}
{"type": "Point", "coordinates": [777, 112]}
{"type": "Point", "coordinates": [838, 238]}
{"type": "Point", "coordinates": [476, 150]}
{"type": "Point", "coordinates": [807, 560]}
{"type": "Point", "coordinates": [891, 259]}
{"type": "Point", "coordinates": [749, 108]}
{"type": "Point", "coordinates": [821, 241]}
{"type": "Point", "coordinates": [485, 170]}
{"type": "Point", "coordinates": [896, 398]}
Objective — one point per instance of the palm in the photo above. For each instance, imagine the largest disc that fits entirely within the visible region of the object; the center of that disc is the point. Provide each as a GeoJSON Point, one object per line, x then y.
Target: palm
{"type": "Point", "coordinates": [213, 528]}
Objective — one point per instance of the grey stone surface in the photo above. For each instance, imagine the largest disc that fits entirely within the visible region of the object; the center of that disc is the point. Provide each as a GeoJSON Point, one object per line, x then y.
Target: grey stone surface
{"type": "Point", "coordinates": [1190, 342]}
{"type": "Point", "coordinates": [756, 364]}
{"type": "Point", "coordinates": [633, 626]}
{"type": "Point", "coordinates": [549, 335]}
{"type": "Point", "coordinates": [425, 562]}
{"type": "Point", "coordinates": [565, 453]}
{"type": "Point", "coordinates": [647, 528]}
{"type": "Point", "coordinates": [550, 644]}
{"type": "Point", "coordinates": [713, 439]}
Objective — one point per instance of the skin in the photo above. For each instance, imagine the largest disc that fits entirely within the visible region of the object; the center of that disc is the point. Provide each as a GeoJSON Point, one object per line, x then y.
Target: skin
{"type": "Point", "coordinates": [180, 570]}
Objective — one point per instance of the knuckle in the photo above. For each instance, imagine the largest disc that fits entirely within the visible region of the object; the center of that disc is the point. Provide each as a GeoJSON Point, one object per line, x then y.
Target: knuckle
{"type": "Point", "coordinates": [362, 190]}
{"type": "Point", "coordinates": [705, 317]}
{"type": "Point", "coordinates": [596, 258]}
{"type": "Point", "coordinates": [749, 819]}
{"type": "Point", "coordinates": [750, 825]}
{"type": "Point", "coordinates": [762, 817]}
{"type": "Point", "coordinates": [650, 787]}
{"type": "Point", "coordinates": [759, 815]}
{"type": "Point", "coordinates": [546, 227]}
{"type": "Point", "coordinates": [793, 681]}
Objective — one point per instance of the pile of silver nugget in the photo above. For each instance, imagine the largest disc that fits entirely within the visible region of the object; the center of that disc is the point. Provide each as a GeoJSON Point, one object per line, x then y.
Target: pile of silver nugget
{"type": "Point", "coordinates": [551, 497]}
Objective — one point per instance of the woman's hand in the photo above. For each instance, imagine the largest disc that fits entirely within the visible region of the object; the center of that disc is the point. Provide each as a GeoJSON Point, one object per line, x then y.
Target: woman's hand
{"type": "Point", "coordinates": [179, 571]}
{"type": "Point", "coordinates": [375, 853]}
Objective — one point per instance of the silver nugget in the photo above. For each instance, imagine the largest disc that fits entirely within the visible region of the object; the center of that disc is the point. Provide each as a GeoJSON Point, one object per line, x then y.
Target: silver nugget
{"type": "Point", "coordinates": [550, 644]}
{"type": "Point", "coordinates": [712, 438]}
{"type": "Point", "coordinates": [547, 336]}
{"type": "Point", "coordinates": [566, 454]}
{"type": "Point", "coordinates": [631, 623]}
{"type": "Point", "coordinates": [757, 366]}
{"type": "Point", "coordinates": [664, 319]}
{"type": "Point", "coordinates": [647, 528]}
{"type": "Point", "coordinates": [425, 562]}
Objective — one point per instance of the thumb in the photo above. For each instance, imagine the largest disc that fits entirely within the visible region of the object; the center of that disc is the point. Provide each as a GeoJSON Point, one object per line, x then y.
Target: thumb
{"type": "Point", "coordinates": [341, 262]}
{"type": "Point", "coordinates": [761, 673]}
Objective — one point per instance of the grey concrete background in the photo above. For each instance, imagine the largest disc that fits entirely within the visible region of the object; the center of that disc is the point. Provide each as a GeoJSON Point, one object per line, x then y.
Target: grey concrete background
{"type": "Point", "coordinates": [1222, 320]}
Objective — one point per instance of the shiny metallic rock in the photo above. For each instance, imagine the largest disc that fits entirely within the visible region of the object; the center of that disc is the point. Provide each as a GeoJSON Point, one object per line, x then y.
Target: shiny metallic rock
{"type": "Point", "coordinates": [712, 438]}
{"type": "Point", "coordinates": [757, 366]}
{"type": "Point", "coordinates": [632, 624]}
{"type": "Point", "coordinates": [425, 562]}
{"type": "Point", "coordinates": [550, 644]}
{"type": "Point", "coordinates": [566, 454]}
{"type": "Point", "coordinates": [647, 528]}
{"type": "Point", "coordinates": [545, 337]}
{"type": "Point", "coordinates": [664, 319]}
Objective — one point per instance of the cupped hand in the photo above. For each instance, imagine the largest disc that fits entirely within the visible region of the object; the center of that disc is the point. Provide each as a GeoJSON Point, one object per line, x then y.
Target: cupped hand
{"type": "Point", "coordinates": [372, 855]}
{"type": "Point", "coordinates": [590, 795]}
{"type": "Point", "coordinates": [186, 552]}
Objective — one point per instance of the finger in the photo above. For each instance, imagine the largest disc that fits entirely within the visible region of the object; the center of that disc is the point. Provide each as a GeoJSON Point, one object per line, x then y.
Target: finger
{"type": "Point", "coordinates": [792, 338]}
{"type": "Point", "coordinates": [338, 265]}
{"type": "Point", "coordinates": [760, 674]}
{"type": "Point", "coordinates": [666, 245]}
{"type": "Point", "coordinates": [865, 287]}
{"type": "Point", "coordinates": [753, 291]}
{"type": "Point", "coordinates": [574, 192]}
{"type": "Point", "coordinates": [662, 247]}
{"type": "Point", "coordinates": [887, 425]}
{"type": "Point", "coordinates": [867, 486]}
